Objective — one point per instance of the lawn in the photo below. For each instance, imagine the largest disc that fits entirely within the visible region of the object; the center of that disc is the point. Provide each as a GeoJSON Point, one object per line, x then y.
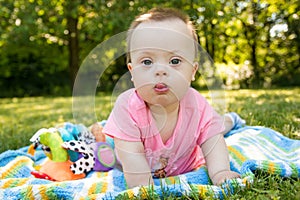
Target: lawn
{"type": "Point", "coordinates": [278, 109]}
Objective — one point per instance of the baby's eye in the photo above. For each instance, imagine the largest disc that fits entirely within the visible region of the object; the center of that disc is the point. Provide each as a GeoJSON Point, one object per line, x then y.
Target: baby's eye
{"type": "Point", "coordinates": [147, 62]}
{"type": "Point", "coordinates": [175, 61]}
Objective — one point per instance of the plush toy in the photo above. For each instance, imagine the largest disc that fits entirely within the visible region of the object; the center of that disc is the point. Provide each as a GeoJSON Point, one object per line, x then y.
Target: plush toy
{"type": "Point", "coordinates": [97, 156]}
{"type": "Point", "coordinates": [73, 151]}
{"type": "Point", "coordinates": [57, 167]}
{"type": "Point", "coordinates": [105, 157]}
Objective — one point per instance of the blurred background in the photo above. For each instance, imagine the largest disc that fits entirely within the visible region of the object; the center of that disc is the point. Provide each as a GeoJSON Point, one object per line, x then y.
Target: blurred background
{"type": "Point", "coordinates": [254, 43]}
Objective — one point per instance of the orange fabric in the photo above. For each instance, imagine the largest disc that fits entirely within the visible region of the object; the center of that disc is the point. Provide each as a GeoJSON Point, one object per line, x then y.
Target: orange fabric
{"type": "Point", "coordinates": [60, 171]}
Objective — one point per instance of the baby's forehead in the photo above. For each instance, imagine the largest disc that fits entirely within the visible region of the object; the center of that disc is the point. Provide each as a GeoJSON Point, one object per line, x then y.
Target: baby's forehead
{"type": "Point", "coordinates": [172, 26]}
{"type": "Point", "coordinates": [154, 52]}
{"type": "Point", "coordinates": [167, 35]}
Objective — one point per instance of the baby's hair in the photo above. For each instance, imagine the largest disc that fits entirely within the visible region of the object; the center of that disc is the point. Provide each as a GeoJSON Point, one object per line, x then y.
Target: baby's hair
{"type": "Point", "coordinates": [158, 15]}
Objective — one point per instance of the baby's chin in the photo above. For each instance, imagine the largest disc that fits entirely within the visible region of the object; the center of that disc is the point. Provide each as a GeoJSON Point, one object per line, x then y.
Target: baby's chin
{"type": "Point", "coordinates": [162, 100]}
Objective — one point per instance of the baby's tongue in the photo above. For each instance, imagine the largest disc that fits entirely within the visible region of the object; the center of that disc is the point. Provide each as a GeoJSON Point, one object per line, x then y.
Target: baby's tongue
{"type": "Point", "coordinates": [161, 87]}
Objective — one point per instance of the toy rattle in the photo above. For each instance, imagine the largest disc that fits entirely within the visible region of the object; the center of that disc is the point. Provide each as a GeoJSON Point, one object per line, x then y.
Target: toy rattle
{"type": "Point", "coordinates": [72, 151]}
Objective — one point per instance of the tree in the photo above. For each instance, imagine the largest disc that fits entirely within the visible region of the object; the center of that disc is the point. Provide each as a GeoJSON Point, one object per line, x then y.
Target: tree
{"type": "Point", "coordinates": [45, 41]}
{"type": "Point", "coordinates": [71, 15]}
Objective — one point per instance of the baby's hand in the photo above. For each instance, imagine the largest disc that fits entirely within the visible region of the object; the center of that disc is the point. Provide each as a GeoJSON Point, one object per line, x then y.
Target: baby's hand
{"type": "Point", "coordinates": [222, 176]}
{"type": "Point", "coordinates": [96, 130]}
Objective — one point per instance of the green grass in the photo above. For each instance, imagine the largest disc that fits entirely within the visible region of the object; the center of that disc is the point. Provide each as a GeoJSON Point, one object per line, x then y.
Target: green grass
{"type": "Point", "coordinates": [278, 109]}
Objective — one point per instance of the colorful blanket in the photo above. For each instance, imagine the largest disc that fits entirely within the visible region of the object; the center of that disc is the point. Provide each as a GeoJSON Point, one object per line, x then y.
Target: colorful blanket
{"type": "Point", "coordinates": [250, 148]}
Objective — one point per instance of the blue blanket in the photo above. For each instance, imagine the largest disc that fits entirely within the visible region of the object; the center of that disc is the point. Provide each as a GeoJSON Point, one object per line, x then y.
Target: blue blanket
{"type": "Point", "coordinates": [250, 148]}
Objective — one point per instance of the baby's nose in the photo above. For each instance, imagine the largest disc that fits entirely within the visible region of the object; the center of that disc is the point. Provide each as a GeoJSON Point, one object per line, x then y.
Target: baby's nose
{"type": "Point", "coordinates": [161, 71]}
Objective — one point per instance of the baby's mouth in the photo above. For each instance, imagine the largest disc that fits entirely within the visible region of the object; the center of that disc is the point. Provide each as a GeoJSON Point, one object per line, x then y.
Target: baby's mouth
{"type": "Point", "coordinates": [161, 88]}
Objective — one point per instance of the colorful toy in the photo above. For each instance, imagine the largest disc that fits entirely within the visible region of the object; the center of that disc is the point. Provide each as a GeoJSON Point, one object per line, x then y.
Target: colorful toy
{"type": "Point", "coordinates": [86, 161]}
{"type": "Point", "coordinates": [73, 151]}
{"type": "Point", "coordinates": [105, 157]}
{"type": "Point", "coordinates": [51, 142]}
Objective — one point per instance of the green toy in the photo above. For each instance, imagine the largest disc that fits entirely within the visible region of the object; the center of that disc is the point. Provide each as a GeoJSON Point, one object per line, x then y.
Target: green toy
{"type": "Point", "coordinates": [54, 141]}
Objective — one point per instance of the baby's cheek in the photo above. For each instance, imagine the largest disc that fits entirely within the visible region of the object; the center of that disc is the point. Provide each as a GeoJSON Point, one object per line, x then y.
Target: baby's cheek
{"type": "Point", "coordinates": [180, 88]}
{"type": "Point", "coordinates": [141, 77]}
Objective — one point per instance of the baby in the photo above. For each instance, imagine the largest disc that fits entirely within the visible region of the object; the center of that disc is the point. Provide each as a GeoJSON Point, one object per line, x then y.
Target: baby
{"type": "Point", "coordinates": [163, 127]}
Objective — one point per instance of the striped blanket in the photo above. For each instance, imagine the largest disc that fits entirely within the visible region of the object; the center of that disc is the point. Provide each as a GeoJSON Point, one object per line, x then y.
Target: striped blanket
{"type": "Point", "coordinates": [250, 148]}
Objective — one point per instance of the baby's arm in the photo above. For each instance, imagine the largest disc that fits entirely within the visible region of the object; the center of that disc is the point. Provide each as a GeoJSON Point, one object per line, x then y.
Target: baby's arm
{"type": "Point", "coordinates": [217, 159]}
{"type": "Point", "coordinates": [228, 124]}
{"type": "Point", "coordinates": [135, 166]}
{"type": "Point", "coordinates": [232, 121]}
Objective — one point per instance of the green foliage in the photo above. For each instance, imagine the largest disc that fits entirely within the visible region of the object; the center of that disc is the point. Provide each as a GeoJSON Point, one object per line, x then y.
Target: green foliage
{"type": "Point", "coordinates": [35, 35]}
{"type": "Point", "coordinates": [268, 186]}
{"type": "Point", "coordinates": [20, 118]}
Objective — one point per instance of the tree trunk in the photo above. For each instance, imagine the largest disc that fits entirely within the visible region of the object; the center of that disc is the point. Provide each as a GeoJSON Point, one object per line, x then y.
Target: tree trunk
{"type": "Point", "coordinates": [212, 53]}
{"type": "Point", "coordinates": [73, 48]}
{"type": "Point", "coordinates": [73, 41]}
{"type": "Point", "coordinates": [254, 61]}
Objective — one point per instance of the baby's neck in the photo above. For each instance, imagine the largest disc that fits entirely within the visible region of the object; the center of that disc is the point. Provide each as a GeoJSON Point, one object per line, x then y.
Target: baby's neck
{"type": "Point", "coordinates": [165, 119]}
{"type": "Point", "coordinates": [158, 110]}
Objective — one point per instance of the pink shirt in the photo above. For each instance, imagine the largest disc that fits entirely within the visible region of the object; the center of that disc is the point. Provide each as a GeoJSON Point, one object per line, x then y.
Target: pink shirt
{"type": "Point", "coordinates": [131, 120]}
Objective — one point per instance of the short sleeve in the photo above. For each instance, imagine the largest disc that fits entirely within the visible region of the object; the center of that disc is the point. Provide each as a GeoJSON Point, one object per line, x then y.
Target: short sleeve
{"type": "Point", "coordinates": [210, 124]}
{"type": "Point", "coordinates": [121, 123]}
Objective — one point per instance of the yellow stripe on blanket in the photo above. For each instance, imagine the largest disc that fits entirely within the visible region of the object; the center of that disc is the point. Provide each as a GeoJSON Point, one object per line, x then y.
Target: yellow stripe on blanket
{"type": "Point", "coordinates": [96, 188]}
{"type": "Point", "coordinates": [14, 182]}
{"type": "Point", "coordinates": [272, 167]}
{"type": "Point", "coordinates": [15, 165]}
{"type": "Point", "coordinates": [101, 174]}
{"type": "Point", "coordinates": [22, 181]}
{"type": "Point", "coordinates": [237, 154]}
{"type": "Point", "coordinates": [202, 190]}
{"type": "Point", "coordinates": [8, 184]}
{"type": "Point", "coordinates": [101, 186]}
{"type": "Point", "coordinates": [171, 180]}
{"type": "Point", "coordinates": [29, 193]}
{"type": "Point", "coordinates": [43, 192]}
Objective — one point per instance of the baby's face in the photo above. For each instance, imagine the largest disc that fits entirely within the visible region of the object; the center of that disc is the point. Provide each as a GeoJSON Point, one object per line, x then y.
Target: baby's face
{"type": "Point", "coordinates": [162, 61]}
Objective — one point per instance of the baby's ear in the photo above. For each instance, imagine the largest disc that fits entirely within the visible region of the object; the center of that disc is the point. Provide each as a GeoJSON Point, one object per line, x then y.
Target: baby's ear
{"type": "Point", "coordinates": [195, 69]}
{"type": "Point", "coordinates": [195, 66]}
{"type": "Point", "coordinates": [129, 66]}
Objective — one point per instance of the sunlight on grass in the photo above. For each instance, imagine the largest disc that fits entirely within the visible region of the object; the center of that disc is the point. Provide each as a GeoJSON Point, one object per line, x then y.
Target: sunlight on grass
{"type": "Point", "coordinates": [21, 117]}
{"type": "Point", "coordinates": [278, 109]}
